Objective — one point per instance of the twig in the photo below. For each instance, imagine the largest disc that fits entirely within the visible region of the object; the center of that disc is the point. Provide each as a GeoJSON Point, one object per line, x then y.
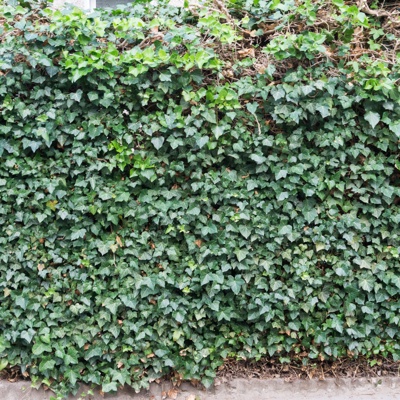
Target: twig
{"type": "Point", "coordinates": [364, 7]}
{"type": "Point", "coordinates": [258, 124]}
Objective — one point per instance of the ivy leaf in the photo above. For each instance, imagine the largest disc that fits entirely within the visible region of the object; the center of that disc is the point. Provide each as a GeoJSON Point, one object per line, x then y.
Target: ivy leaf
{"type": "Point", "coordinates": [3, 363]}
{"type": "Point", "coordinates": [158, 141]}
{"type": "Point", "coordinates": [395, 128]}
{"type": "Point", "coordinates": [252, 107]}
{"type": "Point", "coordinates": [281, 174]}
{"type": "Point", "coordinates": [202, 141]}
{"type": "Point", "coordinates": [28, 335]}
{"type": "Point", "coordinates": [103, 248]}
{"type": "Point", "coordinates": [210, 116]}
{"type": "Point", "coordinates": [78, 234]}
{"type": "Point", "coordinates": [109, 387]}
{"type": "Point", "coordinates": [244, 231]}
{"type": "Point", "coordinates": [122, 197]}
{"type": "Point", "coordinates": [396, 281]}
{"type": "Point", "coordinates": [319, 246]}
{"type": "Point", "coordinates": [286, 230]}
{"type": "Point", "coordinates": [310, 215]}
{"type": "Point", "coordinates": [323, 110]}
{"type": "Point", "coordinates": [373, 118]}
{"type": "Point", "coordinates": [236, 285]}
{"type": "Point", "coordinates": [366, 283]}
{"type": "Point", "coordinates": [42, 132]}
{"type": "Point", "coordinates": [77, 96]}
{"type": "Point", "coordinates": [241, 254]}
{"type": "Point", "coordinates": [93, 352]}
{"type": "Point", "coordinates": [3, 344]}
{"type": "Point", "coordinates": [52, 70]}
{"type": "Point", "coordinates": [47, 364]}
{"type": "Point", "coordinates": [223, 315]}
{"type": "Point", "coordinates": [258, 158]}
{"type": "Point", "coordinates": [71, 375]}
{"type": "Point", "coordinates": [218, 131]}
{"type": "Point", "coordinates": [40, 348]}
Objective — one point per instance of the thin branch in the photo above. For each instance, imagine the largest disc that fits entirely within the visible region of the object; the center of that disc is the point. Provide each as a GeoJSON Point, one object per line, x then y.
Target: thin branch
{"type": "Point", "coordinates": [364, 7]}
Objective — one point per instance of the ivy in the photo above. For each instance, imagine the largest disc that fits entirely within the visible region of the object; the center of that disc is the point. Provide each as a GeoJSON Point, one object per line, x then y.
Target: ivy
{"type": "Point", "coordinates": [180, 186]}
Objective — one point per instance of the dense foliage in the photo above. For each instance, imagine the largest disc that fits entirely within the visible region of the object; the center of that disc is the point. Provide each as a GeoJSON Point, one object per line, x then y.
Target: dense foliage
{"type": "Point", "coordinates": [182, 186]}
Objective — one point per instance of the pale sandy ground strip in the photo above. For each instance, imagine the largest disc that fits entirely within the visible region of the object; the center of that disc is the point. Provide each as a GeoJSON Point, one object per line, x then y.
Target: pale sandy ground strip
{"type": "Point", "coordinates": [83, 3]}
{"type": "Point", "coordinates": [238, 389]}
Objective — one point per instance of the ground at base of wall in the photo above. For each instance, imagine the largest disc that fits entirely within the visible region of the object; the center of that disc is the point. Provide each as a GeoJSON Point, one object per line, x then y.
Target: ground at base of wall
{"type": "Point", "coordinates": [237, 389]}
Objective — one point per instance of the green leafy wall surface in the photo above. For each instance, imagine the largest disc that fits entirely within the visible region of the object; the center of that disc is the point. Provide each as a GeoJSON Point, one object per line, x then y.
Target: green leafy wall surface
{"type": "Point", "coordinates": [183, 186]}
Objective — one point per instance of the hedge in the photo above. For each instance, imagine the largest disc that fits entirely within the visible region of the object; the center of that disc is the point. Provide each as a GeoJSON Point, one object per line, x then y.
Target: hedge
{"type": "Point", "coordinates": [182, 186]}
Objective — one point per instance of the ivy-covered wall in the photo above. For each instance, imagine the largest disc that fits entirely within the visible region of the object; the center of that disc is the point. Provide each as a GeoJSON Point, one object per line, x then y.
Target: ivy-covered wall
{"type": "Point", "coordinates": [183, 186]}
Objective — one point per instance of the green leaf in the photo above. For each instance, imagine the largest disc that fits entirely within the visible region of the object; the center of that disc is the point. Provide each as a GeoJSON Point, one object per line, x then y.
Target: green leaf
{"type": "Point", "coordinates": [3, 363]}
{"type": "Point", "coordinates": [210, 116]}
{"type": "Point", "coordinates": [109, 387]}
{"type": "Point", "coordinates": [252, 107]}
{"type": "Point", "coordinates": [218, 131]}
{"type": "Point", "coordinates": [93, 352]}
{"type": "Point", "coordinates": [176, 335]}
{"type": "Point", "coordinates": [323, 110]}
{"type": "Point", "coordinates": [395, 128]}
{"type": "Point", "coordinates": [285, 230]}
{"type": "Point", "coordinates": [93, 96]}
{"type": "Point", "coordinates": [258, 158]}
{"type": "Point", "coordinates": [79, 234]}
{"type": "Point", "coordinates": [202, 141]}
{"type": "Point", "coordinates": [281, 174]}
{"type": "Point", "coordinates": [366, 283]}
{"type": "Point", "coordinates": [122, 197]}
{"type": "Point", "coordinates": [157, 141]}
{"type": "Point", "coordinates": [28, 335]}
{"type": "Point", "coordinates": [241, 254]}
{"type": "Point", "coordinates": [77, 96]}
{"type": "Point", "coordinates": [42, 132]}
{"type": "Point", "coordinates": [46, 364]}
{"type": "Point", "coordinates": [373, 118]}
{"type": "Point", "coordinates": [103, 248]}
{"type": "Point", "coordinates": [282, 196]}
{"type": "Point", "coordinates": [244, 231]}
{"type": "Point", "coordinates": [40, 348]}
{"type": "Point", "coordinates": [3, 344]}
{"type": "Point", "coordinates": [21, 301]}
{"type": "Point", "coordinates": [72, 376]}
{"type": "Point", "coordinates": [236, 285]}
{"type": "Point", "coordinates": [319, 246]}
{"type": "Point", "coordinates": [223, 315]}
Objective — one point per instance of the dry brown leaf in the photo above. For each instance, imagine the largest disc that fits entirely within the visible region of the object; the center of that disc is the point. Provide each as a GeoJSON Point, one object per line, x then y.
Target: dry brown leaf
{"type": "Point", "coordinates": [228, 73]}
{"type": "Point", "coordinates": [247, 53]}
{"type": "Point", "coordinates": [198, 242]}
{"type": "Point", "coordinates": [173, 393]}
{"type": "Point", "coordinates": [119, 241]}
{"type": "Point", "coordinates": [260, 68]}
{"type": "Point", "coordinates": [40, 267]}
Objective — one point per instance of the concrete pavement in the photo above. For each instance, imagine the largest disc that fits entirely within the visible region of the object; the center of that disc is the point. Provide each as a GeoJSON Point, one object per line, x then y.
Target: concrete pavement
{"type": "Point", "coordinates": [237, 389]}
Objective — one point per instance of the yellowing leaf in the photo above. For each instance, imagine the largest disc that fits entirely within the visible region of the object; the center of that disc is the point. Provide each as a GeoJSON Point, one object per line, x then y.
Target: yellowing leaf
{"type": "Point", "coordinates": [52, 204]}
